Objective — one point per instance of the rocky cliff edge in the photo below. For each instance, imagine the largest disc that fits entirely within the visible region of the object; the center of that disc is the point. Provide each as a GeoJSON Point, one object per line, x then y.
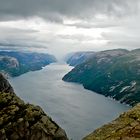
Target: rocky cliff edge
{"type": "Point", "coordinates": [125, 127]}
{"type": "Point", "coordinates": [20, 121]}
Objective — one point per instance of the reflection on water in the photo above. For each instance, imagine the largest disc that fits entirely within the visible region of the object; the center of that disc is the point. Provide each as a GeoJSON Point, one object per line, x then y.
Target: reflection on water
{"type": "Point", "coordinates": [75, 109]}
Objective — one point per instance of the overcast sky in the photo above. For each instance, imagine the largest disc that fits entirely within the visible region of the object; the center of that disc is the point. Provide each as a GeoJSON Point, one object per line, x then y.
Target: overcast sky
{"type": "Point", "coordinates": [62, 26]}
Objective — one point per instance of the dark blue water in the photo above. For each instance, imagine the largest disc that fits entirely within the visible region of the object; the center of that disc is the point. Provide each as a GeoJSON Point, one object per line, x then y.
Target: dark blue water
{"type": "Point", "coordinates": [75, 109]}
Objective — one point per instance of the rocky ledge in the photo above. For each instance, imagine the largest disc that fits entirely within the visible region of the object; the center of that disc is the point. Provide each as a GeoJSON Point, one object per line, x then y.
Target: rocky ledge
{"type": "Point", "coordinates": [20, 121]}
{"type": "Point", "coordinates": [126, 127]}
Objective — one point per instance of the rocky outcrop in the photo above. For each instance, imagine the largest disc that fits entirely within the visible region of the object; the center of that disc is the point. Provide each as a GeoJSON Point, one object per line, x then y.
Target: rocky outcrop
{"type": "Point", "coordinates": [4, 85]}
{"type": "Point", "coordinates": [126, 127]}
{"type": "Point", "coordinates": [20, 121]}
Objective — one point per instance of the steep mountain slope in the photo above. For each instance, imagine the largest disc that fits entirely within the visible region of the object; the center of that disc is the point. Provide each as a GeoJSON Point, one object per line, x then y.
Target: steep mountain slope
{"type": "Point", "coordinates": [125, 127]}
{"type": "Point", "coordinates": [77, 58]}
{"type": "Point", "coordinates": [17, 63]}
{"type": "Point", "coordinates": [114, 73]}
{"type": "Point", "coordinates": [20, 121]}
{"type": "Point", "coordinates": [4, 85]}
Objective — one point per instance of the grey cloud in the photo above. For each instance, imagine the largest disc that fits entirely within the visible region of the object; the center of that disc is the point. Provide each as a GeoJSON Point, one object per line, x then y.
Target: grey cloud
{"type": "Point", "coordinates": [96, 24]}
{"type": "Point", "coordinates": [19, 39]}
{"type": "Point", "coordinates": [123, 32]}
{"type": "Point", "coordinates": [22, 46]}
{"type": "Point", "coordinates": [16, 30]}
{"type": "Point", "coordinates": [55, 10]}
{"type": "Point", "coordinates": [123, 37]}
{"type": "Point", "coordinates": [76, 37]}
{"type": "Point", "coordinates": [11, 33]}
{"type": "Point", "coordinates": [124, 44]}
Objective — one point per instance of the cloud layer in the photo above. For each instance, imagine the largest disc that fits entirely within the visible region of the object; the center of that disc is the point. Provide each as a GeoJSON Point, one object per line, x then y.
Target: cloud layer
{"type": "Point", "coordinates": [55, 10]}
{"type": "Point", "coordinates": [61, 26]}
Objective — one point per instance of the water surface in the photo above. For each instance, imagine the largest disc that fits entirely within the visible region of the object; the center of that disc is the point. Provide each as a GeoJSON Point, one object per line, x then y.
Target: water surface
{"type": "Point", "coordinates": [75, 109]}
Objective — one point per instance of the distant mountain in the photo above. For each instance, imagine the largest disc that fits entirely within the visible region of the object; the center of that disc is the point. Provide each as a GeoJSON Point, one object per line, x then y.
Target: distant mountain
{"type": "Point", "coordinates": [77, 58]}
{"type": "Point", "coordinates": [17, 63]}
{"type": "Point", "coordinates": [113, 73]}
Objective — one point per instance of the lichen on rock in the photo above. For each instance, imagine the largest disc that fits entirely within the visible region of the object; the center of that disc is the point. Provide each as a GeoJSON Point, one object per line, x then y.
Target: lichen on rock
{"type": "Point", "coordinates": [20, 121]}
{"type": "Point", "coordinates": [125, 127]}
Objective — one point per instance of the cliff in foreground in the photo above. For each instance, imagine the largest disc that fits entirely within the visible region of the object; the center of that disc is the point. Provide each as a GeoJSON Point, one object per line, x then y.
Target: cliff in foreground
{"type": "Point", "coordinates": [126, 127]}
{"type": "Point", "coordinates": [20, 121]}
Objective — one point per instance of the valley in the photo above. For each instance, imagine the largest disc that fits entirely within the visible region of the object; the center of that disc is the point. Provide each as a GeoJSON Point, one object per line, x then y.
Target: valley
{"type": "Point", "coordinates": [77, 110]}
{"type": "Point", "coordinates": [113, 73]}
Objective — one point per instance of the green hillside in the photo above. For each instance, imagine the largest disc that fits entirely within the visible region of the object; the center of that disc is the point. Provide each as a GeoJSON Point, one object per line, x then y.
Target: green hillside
{"type": "Point", "coordinates": [113, 73]}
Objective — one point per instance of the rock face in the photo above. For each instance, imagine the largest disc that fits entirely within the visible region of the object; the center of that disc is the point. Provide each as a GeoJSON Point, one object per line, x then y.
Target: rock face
{"type": "Point", "coordinates": [126, 127]}
{"type": "Point", "coordinates": [20, 121]}
{"type": "Point", "coordinates": [4, 85]}
{"type": "Point", "coordinates": [113, 73]}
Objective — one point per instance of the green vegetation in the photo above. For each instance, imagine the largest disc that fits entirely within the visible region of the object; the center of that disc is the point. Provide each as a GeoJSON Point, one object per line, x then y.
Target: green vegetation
{"type": "Point", "coordinates": [20, 121]}
{"type": "Point", "coordinates": [114, 73]}
{"type": "Point", "coordinates": [17, 63]}
{"type": "Point", "coordinates": [125, 127]}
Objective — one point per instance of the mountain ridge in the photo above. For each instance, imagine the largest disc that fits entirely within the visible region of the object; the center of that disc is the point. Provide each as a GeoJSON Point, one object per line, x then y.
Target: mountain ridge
{"type": "Point", "coordinates": [113, 73]}
{"type": "Point", "coordinates": [77, 58]}
{"type": "Point", "coordinates": [17, 63]}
